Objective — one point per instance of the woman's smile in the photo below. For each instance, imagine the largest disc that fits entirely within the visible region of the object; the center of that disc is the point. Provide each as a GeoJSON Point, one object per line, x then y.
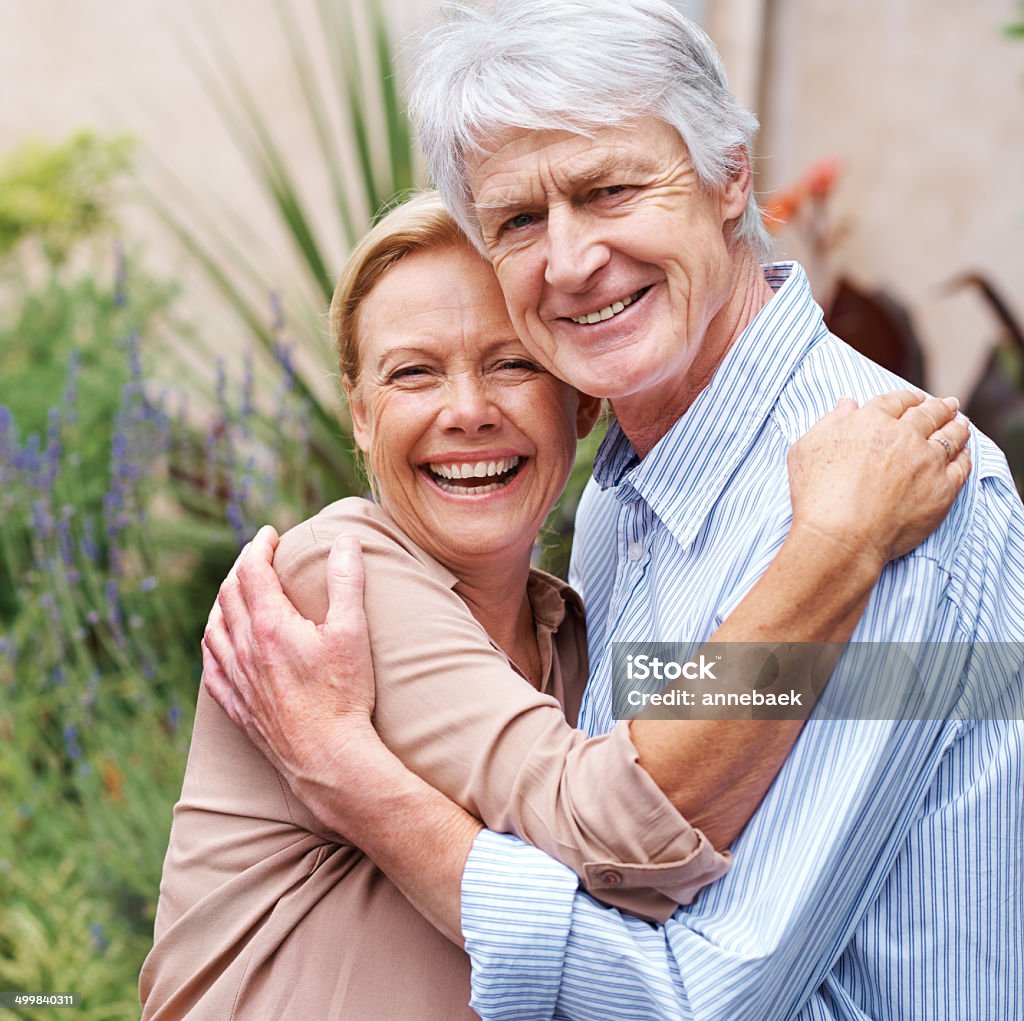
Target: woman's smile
{"type": "Point", "coordinates": [474, 475]}
{"type": "Point", "coordinates": [469, 439]}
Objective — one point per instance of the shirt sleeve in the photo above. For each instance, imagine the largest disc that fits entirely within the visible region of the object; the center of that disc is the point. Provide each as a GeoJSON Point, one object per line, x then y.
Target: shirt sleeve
{"type": "Point", "coordinates": [859, 805]}
{"type": "Point", "coordinates": [449, 705]}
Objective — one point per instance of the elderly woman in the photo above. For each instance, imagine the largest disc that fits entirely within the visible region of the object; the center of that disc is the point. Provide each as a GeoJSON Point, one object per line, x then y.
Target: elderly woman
{"type": "Point", "coordinates": [266, 911]}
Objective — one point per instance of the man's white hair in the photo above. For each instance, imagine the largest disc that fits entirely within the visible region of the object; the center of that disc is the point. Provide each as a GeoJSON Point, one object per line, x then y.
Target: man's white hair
{"type": "Point", "coordinates": [574, 65]}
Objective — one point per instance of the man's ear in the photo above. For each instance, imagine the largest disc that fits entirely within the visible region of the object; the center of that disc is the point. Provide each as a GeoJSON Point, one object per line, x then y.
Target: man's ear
{"type": "Point", "coordinates": [587, 413]}
{"type": "Point", "coordinates": [357, 409]}
{"type": "Point", "coordinates": [737, 189]}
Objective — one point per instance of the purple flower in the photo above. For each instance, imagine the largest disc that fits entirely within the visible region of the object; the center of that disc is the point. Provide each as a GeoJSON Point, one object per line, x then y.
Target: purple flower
{"type": "Point", "coordinates": [276, 312]}
{"type": "Point", "coordinates": [8, 444]}
{"type": "Point", "coordinates": [134, 358]}
{"type": "Point", "coordinates": [64, 542]}
{"type": "Point", "coordinates": [237, 522]}
{"type": "Point", "coordinates": [42, 520]}
{"type": "Point", "coordinates": [71, 744]}
{"type": "Point", "coordinates": [27, 459]}
{"type": "Point", "coordinates": [88, 541]}
{"type": "Point", "coordinates": [98, 939]}
{"type": "Point", "coordinates": [283, 356]}
{"type": "Point", "coordinates": [53, 447]}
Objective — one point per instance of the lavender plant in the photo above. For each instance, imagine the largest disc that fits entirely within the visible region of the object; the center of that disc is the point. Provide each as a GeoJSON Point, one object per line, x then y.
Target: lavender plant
{"type": "Point", "coordinates": [122, 503]}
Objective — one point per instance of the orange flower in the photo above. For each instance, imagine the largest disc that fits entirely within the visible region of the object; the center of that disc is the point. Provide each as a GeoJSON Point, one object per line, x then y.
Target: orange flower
{"type": "Point", "coordinates": [820, 178]}
{"type": "Point", "coordinates": [782, 207]}
{"type": "Point", "coordinates": [113, 780]}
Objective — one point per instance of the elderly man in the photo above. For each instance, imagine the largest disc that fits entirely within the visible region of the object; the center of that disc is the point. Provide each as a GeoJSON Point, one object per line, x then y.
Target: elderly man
{"type": "Point", "coordinates": [594, 152]}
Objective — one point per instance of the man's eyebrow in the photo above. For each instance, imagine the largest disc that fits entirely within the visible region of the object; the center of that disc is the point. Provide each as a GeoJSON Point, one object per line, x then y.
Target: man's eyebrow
{"type": "Point", "coordinates": [613, 165]}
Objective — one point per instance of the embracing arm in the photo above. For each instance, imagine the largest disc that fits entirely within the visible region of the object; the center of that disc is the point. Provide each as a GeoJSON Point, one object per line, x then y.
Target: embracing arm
{"type": "Point", "coordinates": [532, 813]}
{"type": "Point", "coordinates": [815, 589]}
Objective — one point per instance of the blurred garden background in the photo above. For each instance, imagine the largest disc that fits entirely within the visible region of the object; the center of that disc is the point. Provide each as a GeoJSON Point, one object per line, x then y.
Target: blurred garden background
{"type": "Point", "coordinates": [179, 184]}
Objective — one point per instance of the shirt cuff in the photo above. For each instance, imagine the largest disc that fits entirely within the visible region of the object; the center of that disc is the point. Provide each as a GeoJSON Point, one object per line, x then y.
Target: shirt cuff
{"type": "Point", "coordinates": [660, 861]}
{"type": "Point", "coordinates": [517, 906]}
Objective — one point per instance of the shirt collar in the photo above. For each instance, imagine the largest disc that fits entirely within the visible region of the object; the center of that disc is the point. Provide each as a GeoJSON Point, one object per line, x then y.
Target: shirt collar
{"type": "Point", "coordinates": [550, 598]}
{"type": "Point", "coordinates": [687, 470]}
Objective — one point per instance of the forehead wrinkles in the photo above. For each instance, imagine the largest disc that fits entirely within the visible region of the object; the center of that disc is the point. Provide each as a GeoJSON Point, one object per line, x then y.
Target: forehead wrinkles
{"type": "Point", "coordinates": [563, 167]}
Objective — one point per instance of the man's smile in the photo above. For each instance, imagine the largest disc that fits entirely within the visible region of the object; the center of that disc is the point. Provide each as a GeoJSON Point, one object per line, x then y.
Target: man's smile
{"type": "Point", "coordinates": [609, 311]}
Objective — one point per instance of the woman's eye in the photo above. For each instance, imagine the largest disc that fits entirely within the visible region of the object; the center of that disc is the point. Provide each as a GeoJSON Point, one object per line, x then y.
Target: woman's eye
{"type": "Point", "coordinates": [407, 372]}
{"type": "Point", "coordinates": [611, 190]}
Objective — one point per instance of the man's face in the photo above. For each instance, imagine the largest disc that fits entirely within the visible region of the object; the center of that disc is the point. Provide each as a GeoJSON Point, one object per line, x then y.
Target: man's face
{"type": "Point", "coordinates": [611, 255]}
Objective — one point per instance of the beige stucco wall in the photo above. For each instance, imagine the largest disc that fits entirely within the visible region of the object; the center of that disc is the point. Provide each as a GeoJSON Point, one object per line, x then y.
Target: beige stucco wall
{"type": "Point", "coordinates": [921, 99]}
{"type": "Point", "coordinates": [923, 102]}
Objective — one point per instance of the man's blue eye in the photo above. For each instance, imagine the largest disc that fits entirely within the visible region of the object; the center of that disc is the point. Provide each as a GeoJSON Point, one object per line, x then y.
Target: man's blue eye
{"type": "Point", "coordinates": [520, 221]}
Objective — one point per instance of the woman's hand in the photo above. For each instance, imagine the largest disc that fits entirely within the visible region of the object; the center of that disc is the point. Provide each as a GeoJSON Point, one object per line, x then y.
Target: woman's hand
{"type": "Point", "coordinates": [878, 480]}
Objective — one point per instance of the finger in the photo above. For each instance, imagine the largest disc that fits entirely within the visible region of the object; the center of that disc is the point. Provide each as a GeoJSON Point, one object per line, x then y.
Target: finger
{"type": "Point", "coordinates": [215, 682]}
{"type": "Point", "coordinates": [959, 468]}
{"type": "Point", "coordinates": [956, 434]}
{"type": "Point", "coordinates": [232, 610]}
{"type": "Point", "coordinates": [931, 415]}
{"type": "Point", "coordinates": [265, 542]}
{"type": "Point", "coordinates": [219, 643]}
{"type": "Point", "coordinates": [215, 620]}
{"type": "Point", "coordinates": [896, 402]}
{"type": "Point", "coordinates": [344, 581]}
{"type": "Point", "coordinates": [257, 580]}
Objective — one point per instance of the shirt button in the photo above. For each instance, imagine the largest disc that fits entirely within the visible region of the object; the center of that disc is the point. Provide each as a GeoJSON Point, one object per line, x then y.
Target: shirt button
{"type": "Point", "coordinates": [634, 552]}
{"type": "Point", "coordinates": [611, 878]}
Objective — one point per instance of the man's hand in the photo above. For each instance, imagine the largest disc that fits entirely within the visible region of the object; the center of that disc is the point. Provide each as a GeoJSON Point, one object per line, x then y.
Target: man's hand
{"type": "Point", "coordinates": [260, 657]}
{"type": "Point", "coordinates": [304, 694]}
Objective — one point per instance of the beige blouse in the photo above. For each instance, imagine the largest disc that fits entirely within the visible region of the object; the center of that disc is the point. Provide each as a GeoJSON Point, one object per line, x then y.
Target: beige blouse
{"type": "Point", "coordinates": [265, 914]}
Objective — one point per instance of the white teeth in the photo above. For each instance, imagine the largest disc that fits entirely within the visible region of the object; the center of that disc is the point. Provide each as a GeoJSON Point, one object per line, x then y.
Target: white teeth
{"type": "Point", "coordinates": [477, 470]}
{"type": "Point", "coordinates": [462, 490]}
{"type": "Point", "coordinates": [607, 312]}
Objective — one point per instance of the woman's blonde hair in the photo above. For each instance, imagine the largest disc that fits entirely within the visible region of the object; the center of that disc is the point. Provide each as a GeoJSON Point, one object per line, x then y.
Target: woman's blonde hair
{"type": "Point", "coordinates": [420, 224]}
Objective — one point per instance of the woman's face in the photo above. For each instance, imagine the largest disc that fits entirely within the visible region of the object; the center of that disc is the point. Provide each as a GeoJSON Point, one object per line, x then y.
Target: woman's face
{"type": "Point", "coordinates": [470, 441]}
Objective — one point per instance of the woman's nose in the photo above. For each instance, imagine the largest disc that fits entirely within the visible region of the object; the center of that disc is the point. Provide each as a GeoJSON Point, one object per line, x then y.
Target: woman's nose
{"type": "Point", "coordinates": [469, 407]}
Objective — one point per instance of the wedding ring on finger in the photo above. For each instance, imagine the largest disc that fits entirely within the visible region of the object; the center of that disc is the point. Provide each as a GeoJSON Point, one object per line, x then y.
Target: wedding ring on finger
{"type": "Point", "coordinates": [939, 438]}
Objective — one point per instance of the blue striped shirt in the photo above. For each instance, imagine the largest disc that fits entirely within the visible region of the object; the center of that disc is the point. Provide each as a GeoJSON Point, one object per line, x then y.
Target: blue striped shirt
{"type": "Point", "coordinates": [883, 876]}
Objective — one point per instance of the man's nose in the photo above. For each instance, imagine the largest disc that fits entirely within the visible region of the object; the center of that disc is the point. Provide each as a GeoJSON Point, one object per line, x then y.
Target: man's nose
{"type": "Point", "coordinates": [575, 251]}
{"type": "Point", "coordinates": [469, 406]}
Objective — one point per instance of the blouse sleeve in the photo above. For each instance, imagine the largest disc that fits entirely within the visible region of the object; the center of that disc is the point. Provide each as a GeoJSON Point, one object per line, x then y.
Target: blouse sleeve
{"type": "Point", "coordinates": [452, 709]}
